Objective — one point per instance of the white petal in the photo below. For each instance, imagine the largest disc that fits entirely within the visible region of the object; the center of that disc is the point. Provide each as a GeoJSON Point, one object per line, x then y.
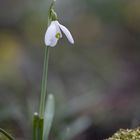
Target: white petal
{"type": "Point", "coordinates": [50, 39]}
{"type": "Point", "coordinates": [67, 33]}
{"type": "Point", "coordinates": [57, 28]}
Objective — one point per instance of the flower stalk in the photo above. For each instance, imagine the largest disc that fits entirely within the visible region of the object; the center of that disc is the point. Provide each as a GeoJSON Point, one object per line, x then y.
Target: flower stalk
{"type": "Point", "coordinates": [38, 123]}
{"type": "Point", "coordinates": [44, 83]}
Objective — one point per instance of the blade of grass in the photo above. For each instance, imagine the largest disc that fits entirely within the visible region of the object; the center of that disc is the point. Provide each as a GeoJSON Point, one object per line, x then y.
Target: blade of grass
{"type": "Point", "coordinates": [6, 134]}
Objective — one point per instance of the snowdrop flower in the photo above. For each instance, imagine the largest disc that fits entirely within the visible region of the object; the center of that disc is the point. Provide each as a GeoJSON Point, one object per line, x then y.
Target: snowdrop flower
{"type": "Point", "coordinates": [53, 34]}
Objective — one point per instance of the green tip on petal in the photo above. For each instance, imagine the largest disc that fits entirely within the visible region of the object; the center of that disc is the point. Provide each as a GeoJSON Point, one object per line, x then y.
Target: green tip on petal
{"type": "Point", "coordinates": [58, 35]}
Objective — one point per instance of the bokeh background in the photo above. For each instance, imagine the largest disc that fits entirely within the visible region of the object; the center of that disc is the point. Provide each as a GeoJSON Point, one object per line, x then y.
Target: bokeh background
{"type": "Point", "coordinates": [96, 81]}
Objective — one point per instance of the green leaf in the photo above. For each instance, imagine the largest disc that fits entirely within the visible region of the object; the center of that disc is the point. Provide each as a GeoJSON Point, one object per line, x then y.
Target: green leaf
{"type": "Point", "coordinates": [48, 116]}
{"type": "Point", "coordinates": [8, 136]}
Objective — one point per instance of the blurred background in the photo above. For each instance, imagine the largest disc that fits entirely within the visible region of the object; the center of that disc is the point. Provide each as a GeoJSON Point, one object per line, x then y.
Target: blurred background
{"type": "Point", "coordinates": [96, 82]}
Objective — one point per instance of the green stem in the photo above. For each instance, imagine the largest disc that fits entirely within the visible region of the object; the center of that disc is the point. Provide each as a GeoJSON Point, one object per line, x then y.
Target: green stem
{"type": "Point", "coordinates": [6, 134]}
{"type": "Point", "coordinates": [44, 84]}
{"type": "Point", "coordinates": [38, 120]}
{"type": "Point", "coordinates": [35, 126]}
{"type": "Point", "coordinates": [40, 129]}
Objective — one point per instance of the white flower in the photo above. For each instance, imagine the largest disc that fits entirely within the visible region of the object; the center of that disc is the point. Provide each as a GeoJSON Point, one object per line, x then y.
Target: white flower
{"type": "Point", "coordinates": [53, 34]}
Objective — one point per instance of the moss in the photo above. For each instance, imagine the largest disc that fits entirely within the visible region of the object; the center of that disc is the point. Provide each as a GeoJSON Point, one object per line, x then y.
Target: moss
{"type": "Point", "coordinates": [126, 134]}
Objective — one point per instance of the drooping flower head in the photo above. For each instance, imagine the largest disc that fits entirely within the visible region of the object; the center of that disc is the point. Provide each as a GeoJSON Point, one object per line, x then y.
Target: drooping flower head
{"type": "Point", "coordinates": [54, 31]}
{"type": "Point", "coordinates": [53, 34]}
